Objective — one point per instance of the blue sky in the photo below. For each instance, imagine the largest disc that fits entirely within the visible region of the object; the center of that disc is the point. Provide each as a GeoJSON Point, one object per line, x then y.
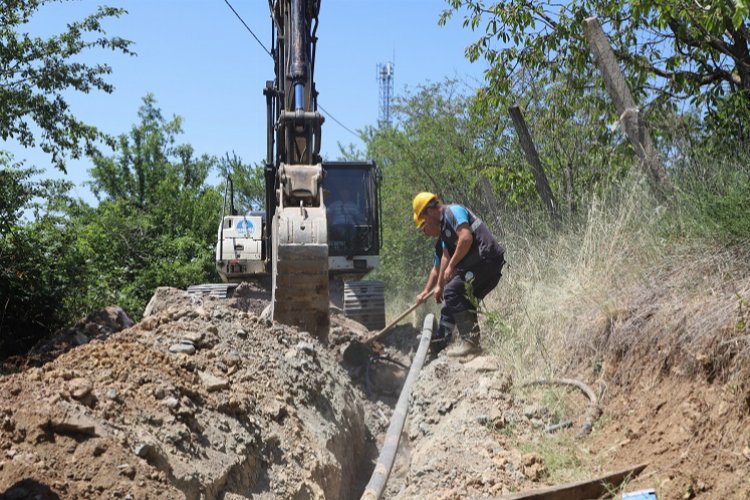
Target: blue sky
{"type": "Point", "coordinates": [202, 64]}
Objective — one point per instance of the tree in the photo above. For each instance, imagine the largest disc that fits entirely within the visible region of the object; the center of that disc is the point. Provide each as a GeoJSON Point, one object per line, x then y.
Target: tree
{"type": "Point", "coordinates": [35, 74]}
{"type": "Point", "coordinates": [156, 221]}
{"type": "Point", "coordinates": [248, 180]}
{"type": "Point", "coordinates": [438, 143]}
{"type": "Point", "coordinates": [670, 49]}
{"type": "Point", "coordinates": [41, 274]}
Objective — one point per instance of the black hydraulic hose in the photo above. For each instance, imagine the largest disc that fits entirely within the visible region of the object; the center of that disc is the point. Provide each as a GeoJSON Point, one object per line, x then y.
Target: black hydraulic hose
{"type": "Point", "coordinates": [298, 68]}
{"type": "Point", "coordinates": [376, 485]}
{"type": "Point", "coordinates": [221, 224]}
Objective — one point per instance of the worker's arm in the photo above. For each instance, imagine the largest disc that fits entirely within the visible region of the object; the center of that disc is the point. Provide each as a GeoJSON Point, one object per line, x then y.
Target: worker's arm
{"type": "Point", "coordinates": [431, 282]}
{"type": "Point", "coordinates": [441, 274]}
{"type": "Point", "coordinates": [465, 239]}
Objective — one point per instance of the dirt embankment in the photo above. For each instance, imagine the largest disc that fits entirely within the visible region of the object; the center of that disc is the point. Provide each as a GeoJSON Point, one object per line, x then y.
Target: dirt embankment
{"type": "Point", "coordinates": [205, 399]}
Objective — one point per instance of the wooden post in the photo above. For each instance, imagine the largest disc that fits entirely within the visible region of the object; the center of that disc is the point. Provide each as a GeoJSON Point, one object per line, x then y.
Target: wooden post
{"type": "Point", "coordinates": [634, 127]}
{"type": "Point", "coordinates": [527, 144]}
{"type": "Point", "coordinates": [569, 191]}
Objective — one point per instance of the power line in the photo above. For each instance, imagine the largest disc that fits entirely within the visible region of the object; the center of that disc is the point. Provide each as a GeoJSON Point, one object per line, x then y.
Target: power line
{"type": "Point", "coordinates": [342, 125]}
{"type": "Point", "coordinates": [248, 28]}
{"type": "Point", "coordinates": [270, 54]}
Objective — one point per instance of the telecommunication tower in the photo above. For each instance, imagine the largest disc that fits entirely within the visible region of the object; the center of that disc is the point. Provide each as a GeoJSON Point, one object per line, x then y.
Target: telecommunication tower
{"type": "Point", "coordinates": [385, 80]}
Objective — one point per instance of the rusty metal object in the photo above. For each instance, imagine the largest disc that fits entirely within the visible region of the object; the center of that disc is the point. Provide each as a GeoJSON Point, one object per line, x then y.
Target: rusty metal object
{"type": "Point", "coordinates": [592, 488]}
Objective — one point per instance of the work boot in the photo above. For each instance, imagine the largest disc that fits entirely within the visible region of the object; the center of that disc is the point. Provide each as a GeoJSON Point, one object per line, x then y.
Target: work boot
{"type": "Point", "coordinates": [464, 348]}
{"type": "Point", "coordinates": [468, 330]}
{"type": "Point", "coordinates": [442, 337]}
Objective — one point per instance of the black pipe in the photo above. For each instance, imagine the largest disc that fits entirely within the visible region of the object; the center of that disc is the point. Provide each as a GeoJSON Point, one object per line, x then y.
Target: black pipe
{"type": "Point", "coordinates": [379, 478]}
{"type": "Point", "coordinates": [298, 69]}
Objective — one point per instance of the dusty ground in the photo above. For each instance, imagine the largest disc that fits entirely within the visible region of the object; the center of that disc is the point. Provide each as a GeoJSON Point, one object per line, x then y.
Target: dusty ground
{"type": "Point", "coordinates": [205, 399]}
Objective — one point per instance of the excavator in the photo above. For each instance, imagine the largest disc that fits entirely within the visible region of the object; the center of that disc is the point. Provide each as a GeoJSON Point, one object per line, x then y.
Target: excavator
{"type": "Point", "coordinates": [320, 231]}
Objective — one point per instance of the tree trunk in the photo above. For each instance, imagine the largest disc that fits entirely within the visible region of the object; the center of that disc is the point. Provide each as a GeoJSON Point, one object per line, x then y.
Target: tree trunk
{"type": "Point", "coordinates": [630, 119]}
{"type": "Point", "coordinates": [527, 144]}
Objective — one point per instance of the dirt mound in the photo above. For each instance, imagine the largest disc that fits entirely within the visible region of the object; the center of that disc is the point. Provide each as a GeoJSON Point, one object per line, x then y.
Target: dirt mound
{"type": "Point", "coordinates": [98, 325]}
{"type": "Point", "coordinates": [198, 400]}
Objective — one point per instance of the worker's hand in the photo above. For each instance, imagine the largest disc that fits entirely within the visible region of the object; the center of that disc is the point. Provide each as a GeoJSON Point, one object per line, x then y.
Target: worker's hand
{"type": "Point", "coordinates": [439, 293]}
{"type": "Point", "coordinates": [450, 272]}
{"type": "Point", "coordinates": [421, 297]}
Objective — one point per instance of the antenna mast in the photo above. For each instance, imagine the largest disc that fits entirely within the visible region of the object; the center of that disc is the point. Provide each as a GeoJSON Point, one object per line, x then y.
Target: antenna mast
{"type": "Point", "coordinates": [385, 87]}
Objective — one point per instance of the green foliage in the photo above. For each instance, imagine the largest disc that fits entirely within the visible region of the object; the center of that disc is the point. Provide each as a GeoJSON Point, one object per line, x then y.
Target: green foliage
{"type": "Point", "coordinates": [248, 180]}
{"type": "Point", "coordinates": [714, 196]}
{"type": "Point", "coordinates": [464, 148]}
{"type": "Point", "coordinates": [36, 74]}
{"type": "Point", "coordinates": [40, 269]}
{"type": "Point", "coordinates": [438, 146]}
{"type": "Point", "coordinates": [671, 50]}
{"type": "Point", "coordinates": [156, 222]}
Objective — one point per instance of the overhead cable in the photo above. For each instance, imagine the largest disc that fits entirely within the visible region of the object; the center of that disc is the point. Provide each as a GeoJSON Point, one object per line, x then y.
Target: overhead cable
{"type": "Point", "coordinates": [341, 124]}
{"type": "Point", "coordinates": [248, 28]}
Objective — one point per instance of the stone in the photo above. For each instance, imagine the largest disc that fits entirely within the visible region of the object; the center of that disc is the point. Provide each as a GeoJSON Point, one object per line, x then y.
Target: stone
{"type": "Point", "coordinates": [182, 348]}
{"type": "Point", "coordinates": [79, 387]}
{"type": "Point", "coordinates": [483, 364]}
{"type": "Point", "coordinates": [192, 337]}
{"type": "Point", "coordinates": [212, 382]}
{"type": "Point", "coordinates": [171, 403]}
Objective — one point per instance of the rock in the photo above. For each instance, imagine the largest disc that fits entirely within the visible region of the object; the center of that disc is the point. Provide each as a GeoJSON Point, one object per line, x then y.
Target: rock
{"type": "Point", "coordinates": [74, 424]}
{"type": "Point", "coordinates": [112, 394]}
{"type": "Point", "coordinates": [126, 470]}
{"type": "Point", "coordinates": [164, 297]}
{"type": "Point", "coordinates": [79, 387]}
{"type": "Point", "coordinates": [80, 339]}
{"type": "Point", "coordinates": [213, 383]}
{"type": "Point", "coordinates": [307, 347]}
{"type": "Point", "coordinates": [143, 449]}
{"type": "Point", "coordinates": [192, 338]}
{"type": "Point", "coordinates": [483, 364]}
{"type": "Point", "coordinates": [233, 358]}
{"type": "Point", "coordinates": [171, 403]}
{"type": "Point", "coordinates": [182, 348]}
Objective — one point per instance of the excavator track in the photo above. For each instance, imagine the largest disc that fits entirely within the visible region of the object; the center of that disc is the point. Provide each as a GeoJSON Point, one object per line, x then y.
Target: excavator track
{"type": "Point", "coordinates": [300, 276]}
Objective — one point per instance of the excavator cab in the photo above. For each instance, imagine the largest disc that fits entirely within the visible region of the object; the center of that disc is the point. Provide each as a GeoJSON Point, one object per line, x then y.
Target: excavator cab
{"type": "Point", "coordinates": [351, 197]}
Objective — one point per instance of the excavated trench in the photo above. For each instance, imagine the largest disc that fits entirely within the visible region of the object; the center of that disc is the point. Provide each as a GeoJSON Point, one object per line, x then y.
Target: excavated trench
{"type": "Point", "coordinates": [202, 399]}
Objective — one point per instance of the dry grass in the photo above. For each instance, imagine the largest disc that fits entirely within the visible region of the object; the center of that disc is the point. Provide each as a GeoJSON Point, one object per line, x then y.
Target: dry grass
{"type": "Point", "coordinates": [613, 290]}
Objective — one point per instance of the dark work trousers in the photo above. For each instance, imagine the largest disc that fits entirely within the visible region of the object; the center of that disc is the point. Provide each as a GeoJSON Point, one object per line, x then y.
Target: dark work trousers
{"type": "Point", "coordinates": [483, 278]}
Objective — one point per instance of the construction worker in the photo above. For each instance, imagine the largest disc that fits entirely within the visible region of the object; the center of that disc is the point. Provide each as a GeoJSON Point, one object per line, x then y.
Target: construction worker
{"type": "Point", "coordinates": [468, 264]}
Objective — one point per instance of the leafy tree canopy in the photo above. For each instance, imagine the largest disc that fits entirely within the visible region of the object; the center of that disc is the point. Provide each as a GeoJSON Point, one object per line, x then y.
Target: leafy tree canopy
{"type": "Point", "coordinates": [248, 181]}
{"type": "Point", "coordinates": [670, 49]}
{"type": "Point", "coordinates": [157, 218]}
{"type": "Point", "coordinates": [35, 73]}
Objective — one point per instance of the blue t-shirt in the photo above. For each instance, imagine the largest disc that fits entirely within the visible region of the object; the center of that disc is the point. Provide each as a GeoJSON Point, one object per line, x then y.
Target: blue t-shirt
{"type": "Point", "coordinates": [461, 216]}
{"type": "Point", "coordinates": [484, 247]}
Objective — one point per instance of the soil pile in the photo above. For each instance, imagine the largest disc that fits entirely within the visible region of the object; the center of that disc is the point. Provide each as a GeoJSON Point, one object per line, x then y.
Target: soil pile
{"type": "Point", "coordinates": [201, 399]}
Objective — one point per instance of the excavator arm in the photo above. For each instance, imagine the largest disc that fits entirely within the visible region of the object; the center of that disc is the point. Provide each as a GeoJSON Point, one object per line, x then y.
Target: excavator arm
{"type": "Point", "coordinates": [294, 172]}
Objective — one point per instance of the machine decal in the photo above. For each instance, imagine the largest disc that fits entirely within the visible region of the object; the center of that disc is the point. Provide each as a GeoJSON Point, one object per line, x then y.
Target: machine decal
{"type": "Point", "coordinates": [245, 227]}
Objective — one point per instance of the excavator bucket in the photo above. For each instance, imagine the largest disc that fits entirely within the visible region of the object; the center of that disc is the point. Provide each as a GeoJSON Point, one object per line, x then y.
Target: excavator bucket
{"type": "Point", "coordinates": [300, 278]}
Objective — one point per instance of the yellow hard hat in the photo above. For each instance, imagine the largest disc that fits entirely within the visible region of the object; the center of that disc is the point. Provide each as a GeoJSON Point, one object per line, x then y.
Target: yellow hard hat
{"type": "Point", "coordinates": [419, 203]}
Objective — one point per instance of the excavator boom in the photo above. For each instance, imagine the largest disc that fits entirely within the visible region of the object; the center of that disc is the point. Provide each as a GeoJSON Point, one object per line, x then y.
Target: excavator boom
{"type": "Point", "coordinates": [297, 208]}
{"type": "Point", "coordinates": [321, 220]}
